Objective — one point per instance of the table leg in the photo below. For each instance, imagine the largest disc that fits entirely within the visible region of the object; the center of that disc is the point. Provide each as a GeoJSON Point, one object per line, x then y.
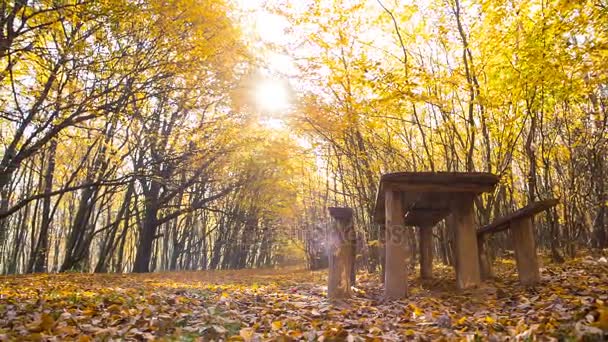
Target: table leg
{"type": "Point", "coordinates": [396, 247]}
{"type": "Point", "coordinates": [522, 236]}
{"type": "Point", "coordinates": [426, 252]}
{"type": "Point", "coordinates": [382, 252]}
{"type": "Point", "coordinates": [465, 236]}
{"type": "Point", "coordinates": [484, 258]}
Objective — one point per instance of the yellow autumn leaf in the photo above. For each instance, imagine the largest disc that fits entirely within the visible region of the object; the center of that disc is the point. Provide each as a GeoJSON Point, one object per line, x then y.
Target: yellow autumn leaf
{"type": "Point", "coordinates": [276, 325]}
{"type": "Point", "coordinates": [115, 308]}
{"type": "Point", "coordinates": [88, 312]}
{"type": "Point", "coordinates": [417, 311]}
{"type": "Point", "coordinates": [45, 323]}
{"type": "Point", "coordinates": [247, 334]}
{"type": "Point", "coordinates": [602, 321]}
{"type": "Point", "coordinates": [375, 331]}
{"type": "Point", "coordinates": [66, 330]}
{"type": "Point", "coordinates": [295, 334]}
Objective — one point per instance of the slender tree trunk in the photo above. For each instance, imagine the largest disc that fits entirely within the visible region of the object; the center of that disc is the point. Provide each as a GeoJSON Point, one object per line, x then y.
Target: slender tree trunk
{"type": "Point", "coordinates": [600, 238]}
{"type": "Point", "coordinates": [41, 251]}
{"type": "Point", "coordinates": [108, 245]}
{"type": "Point", "coordinates": [148, 231]}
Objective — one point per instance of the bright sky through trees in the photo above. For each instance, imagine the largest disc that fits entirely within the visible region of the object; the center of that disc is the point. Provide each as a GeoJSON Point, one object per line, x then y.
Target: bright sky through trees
{"type": "Point", "coordinates": [272, 95]}
{"type": "Point", "coordinates": [272, 92]}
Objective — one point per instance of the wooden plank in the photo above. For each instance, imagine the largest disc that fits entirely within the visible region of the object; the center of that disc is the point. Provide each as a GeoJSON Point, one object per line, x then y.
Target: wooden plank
{"type": "Point", "coordinates": [396, 247]}
{"type": "Point", "coordinates": [343, 213]}
{"type": "Point", "coordinates": [530, 210]}
{"type": "Point", "coordinates": [465, 244]}
{"type": "Point", "coordinates": [426, 251]}
{"type": "Point", "coordinates": [522, 236]}
{"type": "Point", "coordinates": [440, 187]}
{"type": "Point", "coordinates": [341, 248]}
{"type": "Point", "coordinates": [445, 178]}
{"type": "Point", "coordinates": [425, 217]}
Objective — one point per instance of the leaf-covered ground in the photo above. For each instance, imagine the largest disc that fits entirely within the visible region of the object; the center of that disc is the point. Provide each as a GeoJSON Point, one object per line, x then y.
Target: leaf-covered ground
{"type": "Point", "coordinates": [254, 305]}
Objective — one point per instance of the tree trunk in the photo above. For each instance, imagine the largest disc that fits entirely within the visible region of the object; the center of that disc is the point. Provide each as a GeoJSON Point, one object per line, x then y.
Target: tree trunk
{"type": "Point", "coordinates": [41, 252]}
{"type": "Point", "coordinates": [146, 237]}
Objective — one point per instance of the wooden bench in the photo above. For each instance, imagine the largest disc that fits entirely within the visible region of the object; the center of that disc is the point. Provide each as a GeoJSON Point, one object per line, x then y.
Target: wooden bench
{"type": "Point", "coordinates": [522, 236]}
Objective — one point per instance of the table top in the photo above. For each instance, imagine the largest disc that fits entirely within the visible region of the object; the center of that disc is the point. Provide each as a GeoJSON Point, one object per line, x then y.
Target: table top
{"type": "Point", "coordinates": [340, 212]}
{"type": "Point", "coordinates": [427, 196]}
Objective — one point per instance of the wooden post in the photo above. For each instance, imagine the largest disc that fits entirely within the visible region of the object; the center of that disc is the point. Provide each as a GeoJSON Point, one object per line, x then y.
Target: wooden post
{"type": "Point", "coordinates": [485, 266]}
{"type": "Point", "coordinates": [353, 255]}
{"type": "Point", "coordinates": [465, 244]}
{"type": "Point", "coordinates": [426, 252]}
{"type": "Point", "coordinates": [449, 241]}
{"type": "Point", "coordinates": [397, 253]}
{"type": "Point", "coordinates": [341, 253]}
{"type": "Point", "coordinates": [522, 236]}
{"type": "Point", "coordinates": [382, 252]}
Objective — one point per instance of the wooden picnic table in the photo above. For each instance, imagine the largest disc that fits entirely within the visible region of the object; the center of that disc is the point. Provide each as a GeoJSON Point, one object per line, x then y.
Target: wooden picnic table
{"type": "Point", "coordinates": [422, 199]}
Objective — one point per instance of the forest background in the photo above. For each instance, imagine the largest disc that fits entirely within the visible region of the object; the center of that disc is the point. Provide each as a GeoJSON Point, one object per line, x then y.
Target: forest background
{"type": "Point", "coordinates": [191, 135]}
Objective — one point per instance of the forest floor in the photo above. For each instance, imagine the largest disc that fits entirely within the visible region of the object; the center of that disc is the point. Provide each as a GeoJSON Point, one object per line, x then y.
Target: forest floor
{"type": "Point", "coordinates": [289, 304]}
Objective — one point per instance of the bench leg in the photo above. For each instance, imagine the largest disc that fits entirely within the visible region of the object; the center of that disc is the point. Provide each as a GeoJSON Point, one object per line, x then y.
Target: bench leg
{"type": "Point", "coordinates": [426, 252]}
{"type": "Point", "coordinates": [396, 247]}
{"type": "Point", "coordinates": [340, 259]}
{"type": "Point", "coordinates": [465, 236]}
{"type": "Point", "coordinates": [522, 235]}
{"type": "Point", "coordinates": [485, 266]}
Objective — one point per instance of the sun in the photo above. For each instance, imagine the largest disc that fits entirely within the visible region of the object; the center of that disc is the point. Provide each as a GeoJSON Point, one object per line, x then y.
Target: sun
{"type": "Point", "coordinates": [272, 95]}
